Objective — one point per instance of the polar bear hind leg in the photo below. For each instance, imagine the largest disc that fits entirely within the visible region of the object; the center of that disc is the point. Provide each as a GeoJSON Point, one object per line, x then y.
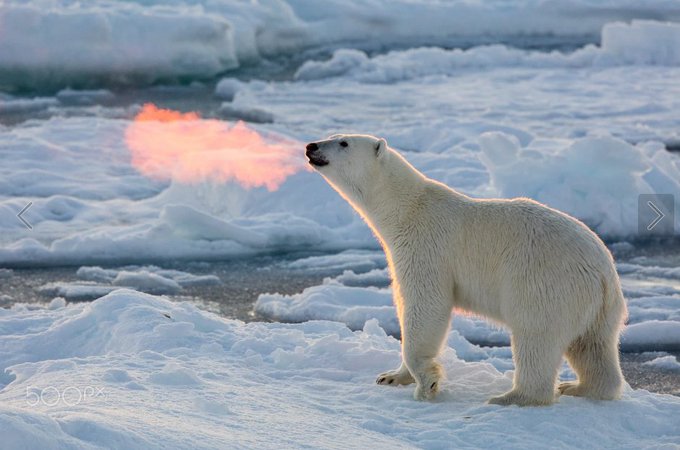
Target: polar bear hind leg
{"type": "Point", "coordinates": [594, 356]}
{"type": "Point", "coordinates": [597, 365]}
{"type": "Point", "coordinates": [537, 358]}
{"type": "Point", "coordinates": [595, 359]}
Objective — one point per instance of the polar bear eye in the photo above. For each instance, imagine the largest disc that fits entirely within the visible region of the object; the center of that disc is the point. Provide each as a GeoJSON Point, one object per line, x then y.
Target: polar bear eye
{"type": "Point", "coordinates": [343, 144]}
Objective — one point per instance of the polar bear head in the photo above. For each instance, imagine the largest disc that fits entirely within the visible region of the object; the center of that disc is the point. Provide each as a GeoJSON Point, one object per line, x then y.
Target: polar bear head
{"type": "Point", "coordinates": [348, 161]}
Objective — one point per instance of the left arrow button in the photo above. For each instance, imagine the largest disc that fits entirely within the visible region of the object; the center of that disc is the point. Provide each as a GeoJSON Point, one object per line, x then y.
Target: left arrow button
{"type": "Point", "coordinates": [24, 221]}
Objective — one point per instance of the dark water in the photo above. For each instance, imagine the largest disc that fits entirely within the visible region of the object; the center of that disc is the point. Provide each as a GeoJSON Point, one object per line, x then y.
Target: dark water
{"type": "Point", "coordinates": [242, 281]}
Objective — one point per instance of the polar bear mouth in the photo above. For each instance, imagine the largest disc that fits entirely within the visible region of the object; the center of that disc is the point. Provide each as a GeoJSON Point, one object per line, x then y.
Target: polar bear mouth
{"type": "Point", "coordinates": [315, 159]}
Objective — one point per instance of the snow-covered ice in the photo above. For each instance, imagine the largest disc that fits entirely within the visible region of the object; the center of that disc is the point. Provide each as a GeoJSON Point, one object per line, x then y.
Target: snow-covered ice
{"type": "Point", "coordinates": [669, 362]}
{"type": "Point", "coordinates": [67, 41]}
{"type": "Point", "coordinates": [585, 132]}
{"type": "Point", "coordinates": [641, 42]}
{"type": "Point", "coordinates": [597, 179]}
{"type": "Point", "coordinates": [136, 371]}
{"type": "Point", "coordinates": [574, 103]}
{"type": "Point", "coordinates": [360, 294]}
{"type": "Point", "coordinates": [97, 282]}
{"type": "Point", "coordinates": [181, 278]}
{"type": "Point", "coordinates": [97, 209]}
{"type": "Point", "coordinates": [363, 260]}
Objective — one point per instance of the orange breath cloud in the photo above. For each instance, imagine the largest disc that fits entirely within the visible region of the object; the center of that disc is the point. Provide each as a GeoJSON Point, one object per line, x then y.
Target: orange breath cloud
{"type": "Point", "coordinates": [170, 145]}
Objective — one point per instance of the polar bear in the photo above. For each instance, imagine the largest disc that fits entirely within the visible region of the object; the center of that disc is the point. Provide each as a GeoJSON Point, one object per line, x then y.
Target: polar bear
{"type": "Point", "coordinates": [543, 274]}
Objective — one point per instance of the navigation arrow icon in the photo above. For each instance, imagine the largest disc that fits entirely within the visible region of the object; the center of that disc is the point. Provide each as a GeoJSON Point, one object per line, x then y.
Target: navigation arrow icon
{"type": "Point", "coordinates": [659, 216]}
{"type": "Point", "coordinates": [24, 221]}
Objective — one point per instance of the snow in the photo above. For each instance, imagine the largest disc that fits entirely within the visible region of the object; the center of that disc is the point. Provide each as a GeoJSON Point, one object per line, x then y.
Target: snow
{"type": "Point", "coordinates": [56, 303]}
{"type": "Point", "coordinates": [621, 44]}
{"type": "Point", "coordinates": [585, 132]}
{"type": "Point", "coordinates": [91, 208]}
{"type": "Point", "coordinates": [363, 260]}
{"type": "Point", "coordinates": [466, 90]}
{"type": "Point", "coordinates": [332, 302]}
{"type": "Point", "coordinates": [138, 41]}
{"type": "Point", "coordinates": [84, 97]}
{"type": "Point", "coordinates": [147, 282]}
{"type": "Point", "coordinates": [74, 292]}
{"type": "Point", "coordinates": [9, 105]}
{"type": "Point", "coordinates": [583, 178]}
{"type": "Point", "coordinates": [227, 88]}
{"type": "Point", "coordinates": [641, 42]}
{"type": "Point", "coordinates": [253, 115]}
{"type": "Point", "coordinates": [361, 293]}
{"type": "Point", "coordinates": [641, 271]}
{"type": "Point", "coordinates": [181, 278]}
{"type": "Point", "coordinates": [652, 335]}
{"type": "Point", "coordinates": [97, 282]}
{"type": "Point", "coordinates": [71, 42]}
{"type": "Point", "coordinates": [664, 362]}
{"type": "Point", "coordinates": [137, 371]}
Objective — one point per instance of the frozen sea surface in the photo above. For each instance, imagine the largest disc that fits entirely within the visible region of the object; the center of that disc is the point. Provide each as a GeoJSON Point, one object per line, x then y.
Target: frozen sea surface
{"type": "Point", "coordinates": [142, 42]}
{"type": "Point", "coordinates": [108, 339]}
{"type": "Point", "coordinates": [586, 132]}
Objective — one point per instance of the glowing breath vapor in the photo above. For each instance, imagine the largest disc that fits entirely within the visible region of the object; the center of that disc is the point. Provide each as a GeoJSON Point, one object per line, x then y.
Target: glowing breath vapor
{"type": "Point", "coordinates": [171, 145]}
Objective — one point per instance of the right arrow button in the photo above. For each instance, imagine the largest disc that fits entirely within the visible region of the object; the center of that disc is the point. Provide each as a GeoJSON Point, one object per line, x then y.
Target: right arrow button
{"type": "Point", "coordinates": [656, 215]}
{"type": "Point", "coordinates": [659, 216]}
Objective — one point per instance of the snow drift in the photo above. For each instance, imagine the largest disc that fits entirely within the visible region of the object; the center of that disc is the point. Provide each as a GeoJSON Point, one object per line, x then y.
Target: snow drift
{"type": "Point", "coordinates": [138, 371]}
{"type": "Point", "coordinates": [596, 179]}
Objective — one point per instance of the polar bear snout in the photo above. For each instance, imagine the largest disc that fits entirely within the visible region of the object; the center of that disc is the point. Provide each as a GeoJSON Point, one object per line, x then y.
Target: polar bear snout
{"type": "Point", "coordinates": [314, 155]}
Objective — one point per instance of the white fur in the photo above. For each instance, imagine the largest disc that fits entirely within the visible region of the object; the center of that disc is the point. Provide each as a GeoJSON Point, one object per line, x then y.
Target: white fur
{"type": "Point", "coordinates": [538, 271]}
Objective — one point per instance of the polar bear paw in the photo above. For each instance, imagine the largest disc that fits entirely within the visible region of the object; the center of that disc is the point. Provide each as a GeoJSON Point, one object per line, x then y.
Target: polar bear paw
{"type": "Point", "coordinates": [395, 378]}
{"type": "Point", "coordinates": [426, 392]}
{"type": "Point", "coordinates": [428, 382]}
{"type": "Point", "coordinates": [518, 398]}
{"type": "Point", "coordinates": [577, 389]}
{"type": "Point", "coordinates": [571, 388]}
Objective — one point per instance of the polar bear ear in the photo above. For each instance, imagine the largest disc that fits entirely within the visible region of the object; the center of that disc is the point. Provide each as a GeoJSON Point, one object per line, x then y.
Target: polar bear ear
{"type": "Point", "coordinates": [380, 146]}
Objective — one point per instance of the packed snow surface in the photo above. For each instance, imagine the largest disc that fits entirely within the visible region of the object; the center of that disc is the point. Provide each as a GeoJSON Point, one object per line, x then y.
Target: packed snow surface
{"type": "Point", "coordinates": [136, 371]}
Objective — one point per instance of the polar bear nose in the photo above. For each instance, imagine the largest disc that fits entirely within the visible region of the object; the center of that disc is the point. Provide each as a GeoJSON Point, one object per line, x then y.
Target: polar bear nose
{"type": "Point", "coordinates": [312, 147]}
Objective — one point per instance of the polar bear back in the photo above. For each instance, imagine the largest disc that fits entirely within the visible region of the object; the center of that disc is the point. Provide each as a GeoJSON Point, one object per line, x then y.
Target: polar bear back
{"type": "Point", "coordinates": [500, 251]}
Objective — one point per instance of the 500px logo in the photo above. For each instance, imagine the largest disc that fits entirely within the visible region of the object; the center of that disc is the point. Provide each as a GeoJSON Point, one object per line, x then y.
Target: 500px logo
{"type": "Point", "coordinates": [69, 396]}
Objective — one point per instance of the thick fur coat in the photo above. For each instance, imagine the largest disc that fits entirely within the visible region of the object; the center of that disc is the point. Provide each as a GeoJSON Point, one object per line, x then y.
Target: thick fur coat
{"type": "Point", "coordinates": [541, 273]}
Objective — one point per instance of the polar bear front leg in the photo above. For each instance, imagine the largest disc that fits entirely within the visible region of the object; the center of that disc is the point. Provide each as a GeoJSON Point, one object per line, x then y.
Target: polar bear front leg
{"type": "Point", "coordinates": [424, 327]}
